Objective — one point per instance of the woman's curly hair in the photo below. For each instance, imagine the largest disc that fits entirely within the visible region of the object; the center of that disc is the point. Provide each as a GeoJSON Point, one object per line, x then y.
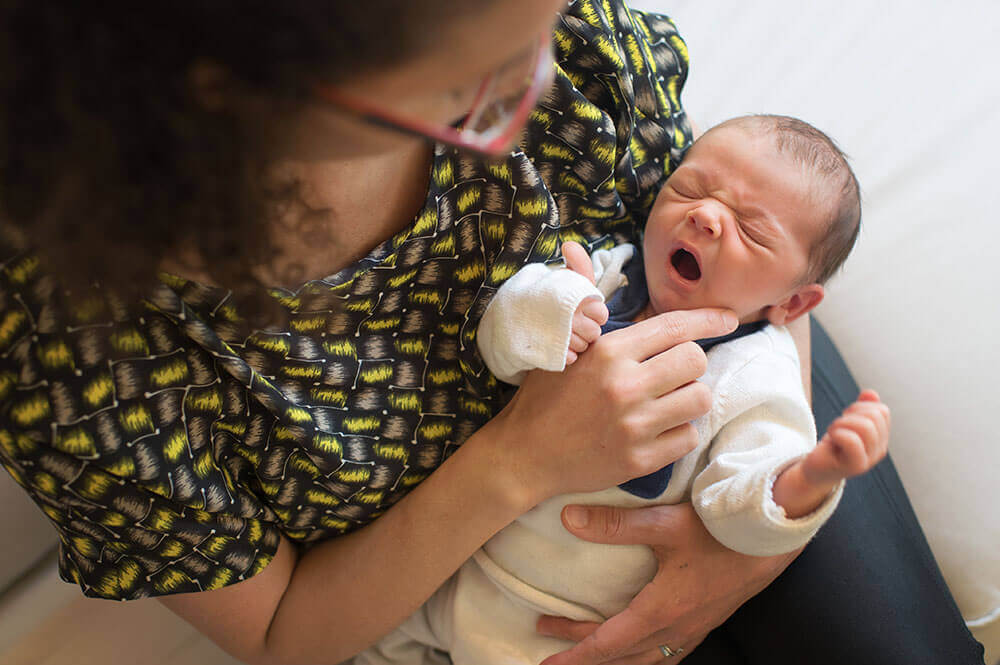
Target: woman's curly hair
{"type": "Point", "coordinates": [106, 159]}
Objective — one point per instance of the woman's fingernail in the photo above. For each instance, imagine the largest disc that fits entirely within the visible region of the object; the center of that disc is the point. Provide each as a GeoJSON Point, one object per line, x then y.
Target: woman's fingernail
{"type": "Point", "coordinates": [731, 320]}
{"type": "Point", "coordinates": [577, 517]}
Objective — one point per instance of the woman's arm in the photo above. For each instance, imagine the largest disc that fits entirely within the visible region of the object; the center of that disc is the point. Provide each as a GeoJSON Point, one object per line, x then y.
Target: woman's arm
{"type": "Point", "coordinates": [341, 595]}
{"type": "Point", "coordinates": [635, 387]}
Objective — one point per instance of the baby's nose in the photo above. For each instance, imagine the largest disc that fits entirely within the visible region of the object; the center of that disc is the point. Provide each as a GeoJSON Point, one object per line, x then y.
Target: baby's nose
{"type": "Point", "coordinates": [707, 221]}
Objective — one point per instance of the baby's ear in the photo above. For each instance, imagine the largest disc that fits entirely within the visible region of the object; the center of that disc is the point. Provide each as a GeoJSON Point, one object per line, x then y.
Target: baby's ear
{"type": "Point", "coordinates": [799, 302]}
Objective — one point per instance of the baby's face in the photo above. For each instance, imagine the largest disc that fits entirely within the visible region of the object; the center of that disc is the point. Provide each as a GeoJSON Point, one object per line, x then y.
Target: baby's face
{"type": "Point", "coordinates": [732, 227]}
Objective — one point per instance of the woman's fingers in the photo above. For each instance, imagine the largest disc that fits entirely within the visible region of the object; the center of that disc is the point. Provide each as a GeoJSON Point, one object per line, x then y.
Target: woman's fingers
{"type": "Point", "coordinates": [565, 629]}
{"type": "Point", "coordinates": [670, 637]}
{"type": "Point", "coordinates": [651, 656]}
{"type": "Point", "coordinates": [665, 331]}
{"type": "Point", "coordinates": [670, 446]}
{"type": "Point", "coordinates": [699, 584]}
{"type": "Point", "coordinates": [677, 368]}
{"type": "Point", "coordinates": [653, 525]}
{"type": "Point", "coordinates": [685, 403]}
{"type": "Point", "coordinates": [578, 260]}
{"type": "Point", "coordinates": [621, 419]}
{"type": "Point", "coordinates": [648, 656]}
{"type": "Point", "coordinates": [645, 651]}
{"type": "Point", "coordinates": [620, 639]}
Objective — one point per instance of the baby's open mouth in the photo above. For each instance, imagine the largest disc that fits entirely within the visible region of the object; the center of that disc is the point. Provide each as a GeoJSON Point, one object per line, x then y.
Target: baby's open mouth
{"type": "Point", "coordinates": [685, 264]}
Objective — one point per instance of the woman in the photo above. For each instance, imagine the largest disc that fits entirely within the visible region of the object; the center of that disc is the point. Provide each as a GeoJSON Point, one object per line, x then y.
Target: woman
{"type": "Point", "coordinates": [219, 444]}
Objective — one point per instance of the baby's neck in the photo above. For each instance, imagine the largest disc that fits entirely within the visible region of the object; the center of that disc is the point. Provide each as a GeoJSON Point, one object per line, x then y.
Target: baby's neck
{"type": "Point", "coordinates": [647, 312]}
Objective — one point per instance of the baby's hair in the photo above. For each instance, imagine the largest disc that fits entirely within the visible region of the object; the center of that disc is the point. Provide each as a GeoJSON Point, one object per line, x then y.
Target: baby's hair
{"type": "Point", "coordinates": [816, 151]}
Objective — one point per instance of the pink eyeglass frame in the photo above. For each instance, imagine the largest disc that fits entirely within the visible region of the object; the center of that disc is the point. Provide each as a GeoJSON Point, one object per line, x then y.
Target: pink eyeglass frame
{"type": "Point", "coordinates": [466, 139]}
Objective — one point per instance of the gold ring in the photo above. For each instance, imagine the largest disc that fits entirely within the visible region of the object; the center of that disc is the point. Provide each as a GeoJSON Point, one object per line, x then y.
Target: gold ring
{"type": "Point", "coordinates": [668, 652]}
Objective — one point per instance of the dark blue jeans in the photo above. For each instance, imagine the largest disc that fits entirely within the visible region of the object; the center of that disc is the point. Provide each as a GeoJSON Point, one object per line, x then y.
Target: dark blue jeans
{"type": "Point", "coordinates": [865, 591]}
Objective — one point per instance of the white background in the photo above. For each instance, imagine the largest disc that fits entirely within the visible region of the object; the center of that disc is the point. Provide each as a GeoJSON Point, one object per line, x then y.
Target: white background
{"type": "Point", "coordinates": [911, 91]}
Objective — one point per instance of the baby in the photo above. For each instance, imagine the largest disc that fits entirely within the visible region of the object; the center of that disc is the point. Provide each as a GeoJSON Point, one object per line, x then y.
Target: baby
{"type": "Point", "coordinates": [760, 213]}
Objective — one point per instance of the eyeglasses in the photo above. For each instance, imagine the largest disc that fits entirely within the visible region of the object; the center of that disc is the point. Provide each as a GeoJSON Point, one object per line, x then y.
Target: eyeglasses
{"type": "Point", "coordinates": [493, 121]}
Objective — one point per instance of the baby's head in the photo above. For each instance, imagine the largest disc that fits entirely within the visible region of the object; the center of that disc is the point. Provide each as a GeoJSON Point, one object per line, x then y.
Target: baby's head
{"type": "Point", "coordinates": [759, 214]}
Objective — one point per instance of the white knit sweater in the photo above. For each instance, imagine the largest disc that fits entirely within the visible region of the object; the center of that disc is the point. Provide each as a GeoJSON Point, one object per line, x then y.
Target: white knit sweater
{"type": "Point", "coordinates": [759, 424]}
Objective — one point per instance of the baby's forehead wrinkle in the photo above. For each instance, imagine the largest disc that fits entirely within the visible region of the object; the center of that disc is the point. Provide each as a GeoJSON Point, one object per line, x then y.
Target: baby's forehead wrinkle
{"type": "Point", "coordinates": [739, 197]}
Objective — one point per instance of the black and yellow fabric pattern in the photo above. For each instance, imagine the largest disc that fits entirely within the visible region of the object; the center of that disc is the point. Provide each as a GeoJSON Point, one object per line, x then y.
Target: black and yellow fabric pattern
{"type": "Point", "coordinates": [171, 447]}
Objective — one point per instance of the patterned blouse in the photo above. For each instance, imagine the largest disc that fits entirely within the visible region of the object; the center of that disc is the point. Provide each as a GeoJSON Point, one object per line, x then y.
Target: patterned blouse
{"type": "Point", "coordinates": [171, 447]}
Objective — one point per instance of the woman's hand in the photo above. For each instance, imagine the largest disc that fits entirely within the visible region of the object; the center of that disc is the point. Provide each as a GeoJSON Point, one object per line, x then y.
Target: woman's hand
{"type": "Point", "coordinates": [699, 584]}
{"type": "Point", "coordinates": [621, 411]}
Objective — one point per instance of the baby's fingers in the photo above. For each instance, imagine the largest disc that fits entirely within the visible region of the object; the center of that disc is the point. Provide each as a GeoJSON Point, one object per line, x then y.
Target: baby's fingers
{"type": "Point", "coordinates": [578, 344]}
{"type": "Point", "coordinates": [857, 442]}
{"type": "Point", "coordinates": [877, 412]}
{"type": "Point", "coordinates": [848, 450]}
{"type": "Point", "coordinates": [595, 310]}
{"type": "Point", "coordinates": [869, 395]}
{"type": "Point", "coordinates": [861, 424]}
{"type": "Point", "coordinates": [584, 326]}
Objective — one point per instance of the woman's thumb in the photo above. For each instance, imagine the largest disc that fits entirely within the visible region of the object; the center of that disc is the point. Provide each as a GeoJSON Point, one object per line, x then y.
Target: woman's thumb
{"type": "Point", "coordinates": [578, 260]}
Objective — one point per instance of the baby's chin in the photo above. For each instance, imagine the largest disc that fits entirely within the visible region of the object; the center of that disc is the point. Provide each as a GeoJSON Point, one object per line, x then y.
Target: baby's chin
{"type": "Point", "coordinates": [670, 304]}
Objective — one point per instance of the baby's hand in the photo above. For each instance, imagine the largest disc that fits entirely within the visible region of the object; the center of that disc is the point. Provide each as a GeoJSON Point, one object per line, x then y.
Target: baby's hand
{"type": "Point", "coordinates": [587, 321]}
{"type": "Point", "coordinates": [854, 443]}
{"type": "Point", "coordinates": [592, 313]}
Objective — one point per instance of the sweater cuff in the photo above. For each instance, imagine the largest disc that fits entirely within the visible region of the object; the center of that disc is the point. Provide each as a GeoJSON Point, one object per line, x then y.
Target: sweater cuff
{"type": "Point", "coordinates": [530, 319]}
{"type": "Point", "coordinates": [761, 527]}
{"type": "Point", "coordinates": [786, 534]}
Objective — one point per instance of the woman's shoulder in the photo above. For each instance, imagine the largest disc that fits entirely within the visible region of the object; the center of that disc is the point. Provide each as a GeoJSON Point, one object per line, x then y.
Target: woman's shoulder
{"type": "Point", "coordinates": [609, 37]}
{"type": "Point", "coordinates": [612, 128]}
